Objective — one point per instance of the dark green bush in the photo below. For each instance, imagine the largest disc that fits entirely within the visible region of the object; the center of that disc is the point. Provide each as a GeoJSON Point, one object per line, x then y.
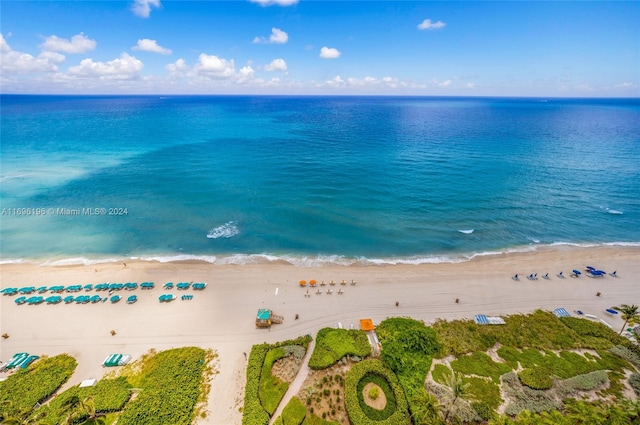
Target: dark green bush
{"type": "Point", "coordinates": [537, 378]}
{"type": "Point", "coordinates": [333, 344]}
{"type": "Point", "coordinates": [634, 381]}
{"type": "Point", "coordinates": [483, 410]}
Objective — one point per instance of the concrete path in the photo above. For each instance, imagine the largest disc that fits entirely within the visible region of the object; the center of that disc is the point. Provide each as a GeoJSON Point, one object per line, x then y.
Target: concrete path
{"type": "Point", "coordinates": [297, 382]}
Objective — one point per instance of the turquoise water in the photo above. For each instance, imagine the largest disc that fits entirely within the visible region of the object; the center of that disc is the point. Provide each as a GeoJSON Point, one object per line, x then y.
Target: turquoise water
{"type": "Point", "coordinates": [314, 179]}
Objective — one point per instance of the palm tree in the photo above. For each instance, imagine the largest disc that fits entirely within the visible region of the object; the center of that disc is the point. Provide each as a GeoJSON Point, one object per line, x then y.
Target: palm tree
{"type": "Point", "coordinates": [630, 314]}
{"type": "Point", "coordinates": [425, 409]}
{"type": "Point", "coordinates": [75, 408]}
{"type": "Point", "coordinates": [458, 389]}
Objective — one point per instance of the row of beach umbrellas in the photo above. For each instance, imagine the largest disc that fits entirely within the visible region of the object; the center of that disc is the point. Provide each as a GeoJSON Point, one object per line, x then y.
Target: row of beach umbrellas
{"type": "Point", "coordinates": [80, 299]}
{"type": "Point", "coordinates": [76, 288]}
{"type": "Point", "coordinates": [313, 282]}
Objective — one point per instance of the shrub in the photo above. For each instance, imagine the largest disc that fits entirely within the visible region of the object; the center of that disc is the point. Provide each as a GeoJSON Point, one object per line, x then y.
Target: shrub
{"type": "Point", "coordinates": [634, 381]}
{"type": "Point", "coordinates": [480, 364]}
{"type": "Point", "coordinates": [293, 413]}
{"type": "Point", "coordinates": [171, 381]}
{"type": "Point", "coordinates": [333, 344]}
{"type": "Point", "coordinates": [524, 398]}
{"type": "Point", "coordinates": [627, 354]}
{"type": "Point", "coordinates": [272, 389]}
{"type": "Point", "coordinates": [370, 412]}
{"type": "Point", "coordinates": [587, 382]}
{"type": "Point", "coordinates": [537, 378]}
{"type": "Point", "coordinates": [352, 396]}
{"type": "Point", "coordinates": [109, 395]}
{"type": "Point", "coordinates": [374, 392]}
{"type": "Point", "coordinates": [254, 413]}
{"type": "Point", "coordinates": [27, 387]}
{"type": "Point", "coordinates": [483, 410]}
{"type": "Point", "coordinates": [441, 374]}
{"type": "Point", "coordinates": [483, 390]}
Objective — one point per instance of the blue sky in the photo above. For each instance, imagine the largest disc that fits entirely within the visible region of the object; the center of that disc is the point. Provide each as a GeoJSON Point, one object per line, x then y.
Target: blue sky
{"type": "Point", "coordinates": [567, 48]}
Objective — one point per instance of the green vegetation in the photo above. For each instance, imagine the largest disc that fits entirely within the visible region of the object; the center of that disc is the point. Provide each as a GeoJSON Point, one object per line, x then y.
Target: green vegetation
{"type": "Point", "coordinates": [539, 330]}
{"type": "Point", "coordinates": [441, 374]}
{"type": "Point", "coordinates": [170, 383]}
{"type": "Point", "coordinates": [254, 413]}
{"type": "Point", "coordinates": [28, 387]}
{"type": "Point", "coordinates": [482, 390]}
{"type": "Point", "coordinates": [108, 395]}
{"type": "Point", "coordinates": [259, 395]}
{"type": "Point", "coordinates": [293, 414]}
{"type": "Point", "coordinates": [312, 419]}
{"type": "Point", "coordinates": [480, 364]}
{"type": "Point", "coordinates": [272, 389]}
{"type": "Point", "coordinates": [536, 377]}
{"type": "Point", "coordinates": [353, 395]}
{"type": "Point", "coordinates": [333, 344]}
{"type": "Point", "coordinates": [407, 348]}
{"type": "Point", "coordinates": [380, 381]}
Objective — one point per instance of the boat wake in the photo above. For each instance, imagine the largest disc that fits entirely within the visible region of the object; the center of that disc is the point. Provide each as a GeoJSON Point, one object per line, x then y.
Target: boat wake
{"type": "Point", "coordinates": [466, 232]}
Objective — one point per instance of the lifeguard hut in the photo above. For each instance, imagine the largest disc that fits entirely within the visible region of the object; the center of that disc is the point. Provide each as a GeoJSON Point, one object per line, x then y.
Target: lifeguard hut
{"type": "Point", "coordinates": [265, 318]}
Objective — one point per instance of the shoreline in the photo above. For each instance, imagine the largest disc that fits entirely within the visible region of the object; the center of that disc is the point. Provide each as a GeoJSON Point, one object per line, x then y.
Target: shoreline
{"type": "Point", "coordinates": [222, 316]}
{"type": "Point", "coordinates": [307, 260]}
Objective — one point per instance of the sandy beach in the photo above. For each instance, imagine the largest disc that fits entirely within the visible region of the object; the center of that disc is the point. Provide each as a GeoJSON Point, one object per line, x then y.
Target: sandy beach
{"type": "Point", "coordinates": [222, 316]}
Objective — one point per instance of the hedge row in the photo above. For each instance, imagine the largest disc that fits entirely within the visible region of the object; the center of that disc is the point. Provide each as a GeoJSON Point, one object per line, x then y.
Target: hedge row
{"type": "Point", "coordinates": [253, 412]}
{"type": "Point", "coordinates": [272, 389]}
{"type": "Point", "coordinates": [27, 387]}
{"type": "Point", "coordinates": [356, 415]}
{"type": "Point", "coordinates": [333, 344]}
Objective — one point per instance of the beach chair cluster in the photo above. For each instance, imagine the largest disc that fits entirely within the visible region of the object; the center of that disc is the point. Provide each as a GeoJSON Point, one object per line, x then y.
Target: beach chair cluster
{"type": "Point", "coordinates": [58, 289]}
{"type": "Point", "coordinates": [313, 282]}
{"type": "Point", "coordinates": [561, 312]}
{"type": "Point", "coordinates": [113, 360]}
{"type": "Point", "coordinates": [19, 360]}
{"type": "Point", "coordinates": [589, 271]}
{"type": "Point", "coordinates": [187, 297]}
{"type": "Point", "coordinates": [79, 299]}
{"type": "Point", "coordinates": [481, 319]}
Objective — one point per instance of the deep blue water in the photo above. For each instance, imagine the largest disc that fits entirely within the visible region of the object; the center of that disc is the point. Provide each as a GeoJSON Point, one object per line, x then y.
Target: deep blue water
{"type": "Point", "coordinates": [315, 178]}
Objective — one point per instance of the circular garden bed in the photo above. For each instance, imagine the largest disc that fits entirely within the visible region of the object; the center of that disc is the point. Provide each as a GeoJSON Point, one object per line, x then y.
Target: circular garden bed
{"type": "Point", "coordinates": [362, 411]}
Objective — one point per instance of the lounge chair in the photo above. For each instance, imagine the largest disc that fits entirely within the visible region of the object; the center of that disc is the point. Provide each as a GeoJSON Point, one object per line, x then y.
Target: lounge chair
{"type": "Point", "coordinates": [561, 312]}
{"type": "Point", "coordinates": [132, 299]}
{"type": "Point", "coordinates": [168, 285]}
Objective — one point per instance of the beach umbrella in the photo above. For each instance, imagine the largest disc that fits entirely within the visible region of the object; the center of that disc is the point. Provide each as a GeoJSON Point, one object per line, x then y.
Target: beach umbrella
{"type": "Point", "coordinates": [303, 282]}
{"type": "Point", "coordinates": [312, 282]}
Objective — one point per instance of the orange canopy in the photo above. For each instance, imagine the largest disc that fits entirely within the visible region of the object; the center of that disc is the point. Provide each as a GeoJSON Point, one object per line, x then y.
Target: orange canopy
{"type": "Point", "coordinates": [303, 282]}
{"type": "Point", "coordinates": [312, 282]}
{"type": "Point", "coordinates": [366, 324]}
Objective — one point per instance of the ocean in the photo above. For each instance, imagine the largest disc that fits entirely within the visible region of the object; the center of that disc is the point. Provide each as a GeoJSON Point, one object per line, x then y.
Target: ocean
{"type": "Point", "coordinates": [313, 180]}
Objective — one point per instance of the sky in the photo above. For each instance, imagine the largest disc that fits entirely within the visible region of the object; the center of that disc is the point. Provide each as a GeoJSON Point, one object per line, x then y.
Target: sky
{"type": "Point", "coordinates": [435, 48]}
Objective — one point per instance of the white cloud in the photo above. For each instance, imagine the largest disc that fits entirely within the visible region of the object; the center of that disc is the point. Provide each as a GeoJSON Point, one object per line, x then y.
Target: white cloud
{"type": "Point", "coordinates": [126, 67]}
{"type": "Point", "coordinates": [624, 86]}
{"type": "Point", "coordinates": [470, 85]}
{"type": "Point", "coordinates": [19, 62]}
{"type": "Point", "coordinates": [147, 45]}
{"type": "Point", "coordinates": [276, 65]}
{"type": "Point", "coordinates": [177, 68]}
{"type": "Point", "coordinates": [275, 2]}
{"type": "Point", "coordinates": [329, 53]}
{"type": "Point", "coordinates": [445, 83]}
{"type": "Point", "coordinates": [277, 37]}
{"type": "Point", "coordinates": [4, 46]}
{"type": "Point", "coordinates": [211, 66]}
{"type": "Point", "coordinates": [428, 25]}
{"type": "Point", "coordinates": [335, 82]}
{"type": "Point", "coordinates": [79, 43]}
{"type": "Point", "coordinates": [142, 8]}
{"type": "Point", "coordinates": [245, 74]}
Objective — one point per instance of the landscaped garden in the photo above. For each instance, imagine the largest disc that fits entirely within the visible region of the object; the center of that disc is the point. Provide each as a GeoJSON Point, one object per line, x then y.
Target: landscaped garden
{"type": "Point", "coordinates": [168, 387]}
{"type": "Point", "coordinates": [536, 368]}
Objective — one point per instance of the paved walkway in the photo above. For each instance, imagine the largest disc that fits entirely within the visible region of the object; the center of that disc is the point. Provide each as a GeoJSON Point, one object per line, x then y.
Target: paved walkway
{"type": "Point", "coordinates": [297, 382]}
